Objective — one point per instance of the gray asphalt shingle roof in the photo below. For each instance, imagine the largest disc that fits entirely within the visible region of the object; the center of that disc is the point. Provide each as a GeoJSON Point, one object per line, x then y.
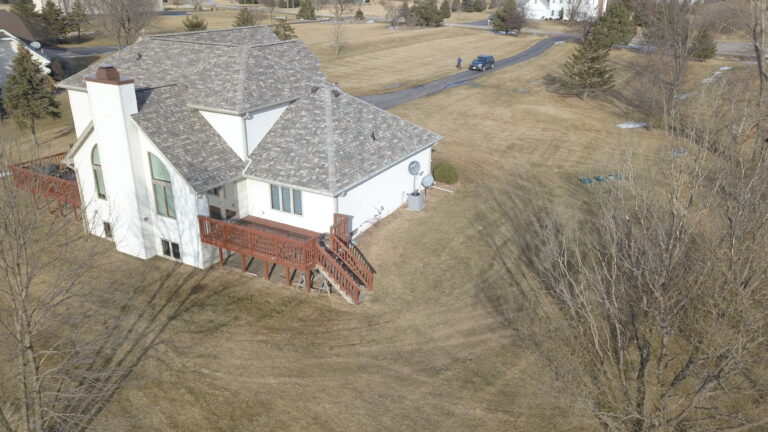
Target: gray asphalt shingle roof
{"type": "Point", "coordinates": [329, 141]}
{"type": "Point", "coordinates": [322, 141]}
{"type": "Point", "coordinates": [189, 142]}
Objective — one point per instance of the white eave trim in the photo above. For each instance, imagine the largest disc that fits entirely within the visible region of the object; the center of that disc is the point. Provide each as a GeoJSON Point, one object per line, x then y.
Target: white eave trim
{"type": "Point", "coordinates": [79, 143]}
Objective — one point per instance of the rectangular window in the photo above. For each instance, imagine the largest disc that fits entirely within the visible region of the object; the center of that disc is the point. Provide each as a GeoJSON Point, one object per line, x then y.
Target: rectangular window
{"type": "Point", "coordinates": [171, 249]}
{"type": "Point", "coordinates": [286, 199]}
{"type": "Point", "coordinates": [101, 190]}
{"type": "Point", "coordinates": [107, 230]}
{"type": "Point", "coordinates": [275, 196]}
{"type": "Point", "coordinates": [161, 185]}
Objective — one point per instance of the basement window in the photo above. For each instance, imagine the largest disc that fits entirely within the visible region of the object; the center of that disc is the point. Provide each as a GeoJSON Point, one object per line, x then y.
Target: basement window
{"type": "Point", "coordinates": [286, 199]}
{"type": "Point", "coordinates": [107, 230]}
{"type": "Point", "coordinates": [171, 249]}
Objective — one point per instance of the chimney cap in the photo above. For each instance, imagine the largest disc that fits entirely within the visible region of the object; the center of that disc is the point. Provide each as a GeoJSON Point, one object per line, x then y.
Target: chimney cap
{"type": "Point", "coordinates": [108, 74]}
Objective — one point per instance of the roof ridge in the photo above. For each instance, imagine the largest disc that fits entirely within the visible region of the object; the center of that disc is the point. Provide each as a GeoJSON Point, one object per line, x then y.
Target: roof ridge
{"type": "Point", "coordinates": [166, 39]}
{"type": "Point", "coordinates": [209, 31]}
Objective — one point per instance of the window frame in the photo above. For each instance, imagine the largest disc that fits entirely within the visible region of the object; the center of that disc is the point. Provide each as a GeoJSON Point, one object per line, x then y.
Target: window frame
{"type": "Point", "coordinates": [278, 195]}
{"type": "Point", "coordinates": [170, 249]}
{"type": "Point", "coordinates": [98, 174]}
{"type": "Point", "coordinates": [168, 209]}
{"type": "Point", "coordinates": [107, 230]}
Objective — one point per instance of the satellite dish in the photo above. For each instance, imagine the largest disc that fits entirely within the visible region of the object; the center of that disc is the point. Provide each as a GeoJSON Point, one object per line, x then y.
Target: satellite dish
{"type": "Point", "coordinates": [414, 167]}
{"type": "Point", "coordinates": [35, 45]}
{"type": "Point", "coordinates": [428, 181]}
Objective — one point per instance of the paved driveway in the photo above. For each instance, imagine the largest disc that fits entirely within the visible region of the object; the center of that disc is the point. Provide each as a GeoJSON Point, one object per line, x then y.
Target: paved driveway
{"type": "Point", "coordinates": [390, 100]}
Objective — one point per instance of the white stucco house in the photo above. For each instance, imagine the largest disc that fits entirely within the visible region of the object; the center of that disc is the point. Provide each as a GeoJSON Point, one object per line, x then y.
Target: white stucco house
{"type": "Point", "coordinates": [9, 48]}
{"type": "Point", "coordinates": [551, 9]}
{"type": "Point", "coordinates": [233, 140]}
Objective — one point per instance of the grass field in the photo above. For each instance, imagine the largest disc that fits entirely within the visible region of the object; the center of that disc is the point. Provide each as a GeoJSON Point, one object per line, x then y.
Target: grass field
{"type": "Point", "coordinates": [433, 347]}
{"type": "Point", "coordinates": [377, 59]}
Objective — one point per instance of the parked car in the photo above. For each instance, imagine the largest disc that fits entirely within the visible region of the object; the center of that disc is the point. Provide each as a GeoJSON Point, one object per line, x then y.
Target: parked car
{"type": "Point", "coordinates": [483, 62]}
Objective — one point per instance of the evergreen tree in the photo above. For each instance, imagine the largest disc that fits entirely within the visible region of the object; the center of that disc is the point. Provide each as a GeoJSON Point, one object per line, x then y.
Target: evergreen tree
{"type": "Point", "coordinates": [24, 9]}
{"type": "Point", "coordinates": [306, 10]}
{"type": "Point", "coordinates": [467, 5]}
{"type": "Point", "coordinates": [195, 23]}
{"type": "Point", "coordinates": [480, 5]}
{"type": "Point", "coordinates": [455, 5]}
{"type": "Point", "coordinates": [284, 31]}
{"type": "Point", "coordinates": [614, 27]}
{"type": "Point", "coordinates": [244, 18]}
{"type": "Point", "coordinates": [426, 13]}
{"type": "Point", "coordinates": [282, 4]}
{"type": "Point", "coordinates": [359, 16]}
{"type": "Point", "coordinates": [405, 12]}
{"type": "Point", "coordinates": [29, 93]}
{"type": "Point", "coordinates": [445, 8]}
{"type": "Point", "coordinates": [509, 17]}
{"type": "Point", "coordinates": [704, 47]}
{"type": "Point", "coordinates": [77, 18]}
{"type": "Point", "coordinates": [53, 19]}
{"type": "Point", "coordinates": [587, 69]}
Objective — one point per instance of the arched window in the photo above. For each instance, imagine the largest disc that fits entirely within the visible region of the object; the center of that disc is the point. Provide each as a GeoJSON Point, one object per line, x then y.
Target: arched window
{"type": "Point", "coordinates": [98, 176]}
{"type": "Point", "coordinates": [161, 184]}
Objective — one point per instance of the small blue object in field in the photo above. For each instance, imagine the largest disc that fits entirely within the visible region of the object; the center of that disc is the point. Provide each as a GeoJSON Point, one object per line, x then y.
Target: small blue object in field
{"type": "Point", "coordinates": [585, 180]}
{"type": "Point", "coordinates": [615, 176]}
{"type": "Point", "coordinates": [600, 179]}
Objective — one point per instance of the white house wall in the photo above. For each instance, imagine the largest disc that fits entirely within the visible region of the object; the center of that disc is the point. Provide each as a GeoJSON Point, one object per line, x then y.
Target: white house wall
{"type": "Point", "coordinates": [257, 124]}
{"type": "Point", "coordinates": [81, 110]}
{"type": "Point", "coordinates": [384, 193]}
{"type": "Point", "coordinates": [318, 209]}
{"type": "Point", "coordinates": [184, 228]}
{"type": "Point", "coordinates": [231, 128]}
{"type": "Point", "coordinates": [97, 210]}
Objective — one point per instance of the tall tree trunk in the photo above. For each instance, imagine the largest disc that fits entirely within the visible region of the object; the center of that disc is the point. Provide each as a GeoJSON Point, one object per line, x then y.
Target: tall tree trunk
{"type": "Point", "coordinates": [33, 133]}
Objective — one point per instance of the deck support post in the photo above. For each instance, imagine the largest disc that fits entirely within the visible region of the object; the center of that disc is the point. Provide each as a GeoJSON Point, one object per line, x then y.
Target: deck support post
{"type": "Point", "coordinates": [288, 274]}
{"type": "Point", "coordinates": [243, 257]}
{"type": "Point", "coordinates": [308, 281]}
{"type": "Point", "coordinates": [221, 257]}
{"type": "Point", "coordinates": [266, 269]}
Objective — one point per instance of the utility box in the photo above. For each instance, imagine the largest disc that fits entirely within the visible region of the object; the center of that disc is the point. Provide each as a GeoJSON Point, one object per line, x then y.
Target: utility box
{"type": "Point", "coordinates": [415, 201]}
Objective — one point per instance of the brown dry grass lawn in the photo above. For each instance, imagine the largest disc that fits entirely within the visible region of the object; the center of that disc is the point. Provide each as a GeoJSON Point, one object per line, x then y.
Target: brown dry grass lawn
{"type": "Point", "coordinates": [433, 348]}
{"type": "Point", "coordinates": [377, 59]}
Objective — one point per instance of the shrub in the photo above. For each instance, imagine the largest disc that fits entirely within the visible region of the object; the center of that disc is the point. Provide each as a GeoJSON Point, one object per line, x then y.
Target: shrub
{"type": "Point", "coordinates": [614, 27]}
{"type": "Point", "coordinates": [467, 5]}
{"type": "Point", "coordinates": [445, 172]}
{"type": "Point", "coordinates": [427, 13]}
{"type": "Point", "coordinates": [284, 31]}
{"type": "Point", "coordinates": [282, 4]}
{"type": "Point", "coordinates": [704, 47]}
{"type": "Point", "coordinates": [195, 23]}
{"type": "Point", "coordinates": [480, 5]}
{"type": "Point", "coordinates": [359, 15]}
{"type": "Point", "coordinates": [445, 9]}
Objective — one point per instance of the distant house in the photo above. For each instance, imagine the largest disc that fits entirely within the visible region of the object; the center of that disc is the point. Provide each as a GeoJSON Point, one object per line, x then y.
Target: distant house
{"type": "Point", "coordinates": [554, 9]}
{"type": "Point", "coordinates": [9, 48]}
{"type": "Point", "coordinates": [232, 140]}
{"type": "Point", "coordinates": [21, 29]}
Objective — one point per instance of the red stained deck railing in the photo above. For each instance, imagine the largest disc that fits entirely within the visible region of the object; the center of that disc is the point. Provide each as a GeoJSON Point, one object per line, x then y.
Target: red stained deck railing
{"type": "Point", "coordinates": [28, 176]}
{"type": "Point", "coordinates": [354, 259]}
{"type": "Point", "coordinates": [250, 241]}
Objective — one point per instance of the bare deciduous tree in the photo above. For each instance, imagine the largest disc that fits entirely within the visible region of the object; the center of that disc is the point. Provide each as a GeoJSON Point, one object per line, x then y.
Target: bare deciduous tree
{"type": "Point", "coordinates": [125, 19]}
{"type": "Point", "coordinates": [338, 9]}
{"type": "Point", "coordinates": [392, 9]}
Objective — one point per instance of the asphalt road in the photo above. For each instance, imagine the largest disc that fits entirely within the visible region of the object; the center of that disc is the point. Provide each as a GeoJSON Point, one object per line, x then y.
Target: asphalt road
{"type": "Point", "coordinates": [390, 100]}
{"type": "Point", "coordinates": [77, 52]}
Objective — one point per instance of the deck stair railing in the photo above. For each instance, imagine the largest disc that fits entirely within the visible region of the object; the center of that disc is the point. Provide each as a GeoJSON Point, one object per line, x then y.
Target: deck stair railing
{"type": "Point", "coordinates": [38, 177]}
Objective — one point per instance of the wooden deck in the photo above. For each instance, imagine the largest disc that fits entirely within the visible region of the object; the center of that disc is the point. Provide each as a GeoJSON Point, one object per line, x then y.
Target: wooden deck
{"type": "Point", "coordinates": [49, 178]}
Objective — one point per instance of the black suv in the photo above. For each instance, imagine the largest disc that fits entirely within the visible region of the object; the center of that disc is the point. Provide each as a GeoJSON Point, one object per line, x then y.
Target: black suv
{"type": "Point", "coordinates": [482, 63]}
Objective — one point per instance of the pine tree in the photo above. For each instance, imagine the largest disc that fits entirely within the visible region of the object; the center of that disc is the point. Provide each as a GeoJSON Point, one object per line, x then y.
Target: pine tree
{"type": "Point", "coordinates": [284, 31]}
{"type": "Point", "coordinates": [426, 13]}
{"type": "Point", "coordinates": [359, 15]}
{"type": "Point", "coordinates": [509, 18]}
{"type": "Point", "coordinates": [445, 8]}
{"type": "Point", "coordinates": [244, 18]}
{"type": "Point", "coordinates": [480, 5]}
{"type": "Point", "coordinates": [306, 10]}
{"type": "Point", "coordinates": [29, 93]}
{"type": "Point", "coordinates": [195, 23]}
{"type": "Point", "coordinates": [587, 69]}
{"type": "Point", "coordinates": [614, 27]}
{"type": "Point", "coordinates": [455, 5]}
{"type": "Point", "coordinates": [704, 46]}
{"type": "Point", "coordinates": [53, 20]}
{"type": "Point", "coordinates": [467, 5]}
{"type": "Point", "coordinates": [405, 12]}
{"type": "Point", "coordinates": [24, 8]}
{"type": "Point", "coordinates": [77, 18]}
